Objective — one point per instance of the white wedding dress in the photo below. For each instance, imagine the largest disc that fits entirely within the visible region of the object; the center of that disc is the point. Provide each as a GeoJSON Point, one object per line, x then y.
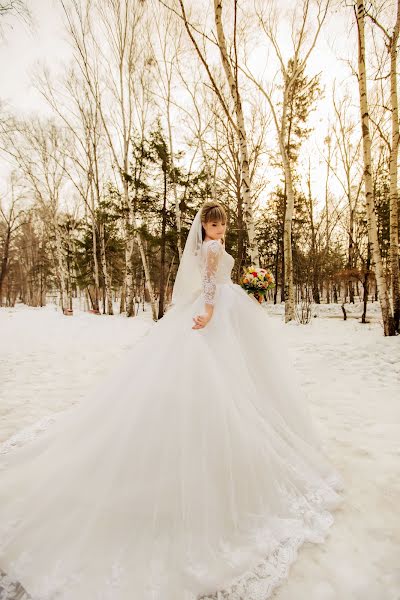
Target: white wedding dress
{"type": "Point", "coordinates": [192, 471]}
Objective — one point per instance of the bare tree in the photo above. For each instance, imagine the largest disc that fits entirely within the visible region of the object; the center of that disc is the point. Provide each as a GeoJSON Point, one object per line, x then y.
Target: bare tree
{"type": "Point", "coordinates": [200, 121]}
{"type": "Point", "coordinates": [236, 117]}
{"type": "Point", "coordinates": [231, 68]}
{"type": "Point", "coordinates": [78, 112]}
{"type": "Point", "coordinates": [166, 51]}
{"type": "Point", "coordinates": [106, 38]}
{"type": "Point", "coordinates": [348, 172]}
{"type": "Point", "coordinates": [13, 8]}
{"type": "Point", "coordinates": [13, 218]}
{"type": "Point", "coordinates": [387, 317]}
{"type": "Point", "coordinates": [391, 39]}
{"type": "Point", "coordinates": [290, 72]}
{"type": "Point", "coordinates": [36, 148]}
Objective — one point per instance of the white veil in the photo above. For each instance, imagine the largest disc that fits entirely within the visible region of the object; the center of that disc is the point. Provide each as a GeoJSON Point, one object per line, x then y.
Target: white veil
{"type": "Point", "coordinates": [188, 278]}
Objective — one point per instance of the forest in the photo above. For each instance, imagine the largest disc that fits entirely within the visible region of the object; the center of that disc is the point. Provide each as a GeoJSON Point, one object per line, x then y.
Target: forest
{"type": "Point", "coordinates": [165, 104]}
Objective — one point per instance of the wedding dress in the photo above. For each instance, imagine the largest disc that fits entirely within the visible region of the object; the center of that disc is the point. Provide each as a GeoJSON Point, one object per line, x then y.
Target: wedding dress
{"type": "Point", "coordinates": [192, 471]}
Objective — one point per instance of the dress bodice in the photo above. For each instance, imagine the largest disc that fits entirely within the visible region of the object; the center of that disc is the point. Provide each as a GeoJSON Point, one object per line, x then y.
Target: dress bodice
{"type": "Point", "coordinates": [225, 262]}
{"type": "Point", "coordinates": [217, 265]}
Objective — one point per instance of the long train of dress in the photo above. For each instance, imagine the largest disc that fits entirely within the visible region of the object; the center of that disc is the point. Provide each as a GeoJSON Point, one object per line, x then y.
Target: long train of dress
{"type": "Point", "coordinates": [192, 471]}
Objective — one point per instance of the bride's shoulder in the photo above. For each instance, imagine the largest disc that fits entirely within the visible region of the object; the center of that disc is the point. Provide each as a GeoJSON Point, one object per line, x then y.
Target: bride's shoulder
{"type": "Point", "coordinates": [212, 244]}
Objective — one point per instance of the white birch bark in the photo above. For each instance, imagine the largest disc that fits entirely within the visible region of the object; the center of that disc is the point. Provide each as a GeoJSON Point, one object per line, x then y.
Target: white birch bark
{"type": "Point", "coordinates": [106, 275]}
{"type": "Point", "coordinates": [37, 148]}
{"type": "Point", "coordinates": [394, 197]}
{"type": "Point", "coordinates": [241, 132]}
{"type": "Point", "coordinates": [120, 21]}
{"type": "Point", "coordinates": [237, 122]}
{"type": "Point", "coordinates": [301, 54]}
{"type": "Point", "coordinates": [387, 317]}
{"type": "Point", "coordinates": [169, 42]}
{"type": "Point", "coordinates": [392, 141]}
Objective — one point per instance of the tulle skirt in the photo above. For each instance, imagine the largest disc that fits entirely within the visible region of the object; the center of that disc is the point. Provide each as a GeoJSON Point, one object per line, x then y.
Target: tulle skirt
{"type": "Point", "coordinates": [192, 471]}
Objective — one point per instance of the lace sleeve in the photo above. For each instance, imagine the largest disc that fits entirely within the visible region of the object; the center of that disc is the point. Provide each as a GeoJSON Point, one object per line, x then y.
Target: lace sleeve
{"type": "Point", "coordinates": [209, 276]}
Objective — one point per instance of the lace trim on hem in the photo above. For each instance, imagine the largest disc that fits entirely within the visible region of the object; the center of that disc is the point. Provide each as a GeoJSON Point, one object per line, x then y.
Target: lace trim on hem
{"type": "Point", "coordinates": [256, 583]}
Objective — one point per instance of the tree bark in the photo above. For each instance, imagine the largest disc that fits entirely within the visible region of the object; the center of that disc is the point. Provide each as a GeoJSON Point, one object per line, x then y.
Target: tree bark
{"type": "Point", "coordinates": [4, 262]}
{"type": "Point", "coordinates": [241, 132]}
{"type": "Point", "coordinates": [163, 242]}
{"type": "Point", "coordinates": [60, 268]}
{"type": "Point", "coordinates": [387, 317]}
{"type": "Point", "coordinates": [95, 301]}
{"type": "Point", "coordinates": [394, 199]}
{"type": "Point", "coordinates": [178, 219]}
{"type": "Point", "coordinates": [107, 292]}
{"type": "Point", "coordinates": [287, 228]}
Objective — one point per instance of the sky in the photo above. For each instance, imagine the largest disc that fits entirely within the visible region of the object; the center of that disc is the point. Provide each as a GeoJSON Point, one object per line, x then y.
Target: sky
{"type": "Point", "coordinates": [23, 47]}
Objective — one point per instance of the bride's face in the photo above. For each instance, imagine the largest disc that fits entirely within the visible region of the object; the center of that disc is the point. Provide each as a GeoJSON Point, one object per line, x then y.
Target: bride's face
{"type": "Point", "coordinates": [215, 229]}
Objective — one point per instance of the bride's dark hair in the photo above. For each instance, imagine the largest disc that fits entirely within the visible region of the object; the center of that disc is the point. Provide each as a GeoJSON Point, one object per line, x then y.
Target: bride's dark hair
{"type": "Point", "coordinates": [212, 211]}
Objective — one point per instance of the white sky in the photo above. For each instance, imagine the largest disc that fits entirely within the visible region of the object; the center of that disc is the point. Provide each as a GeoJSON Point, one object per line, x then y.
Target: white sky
{"type": "Point", "coordinates": [23, 47]}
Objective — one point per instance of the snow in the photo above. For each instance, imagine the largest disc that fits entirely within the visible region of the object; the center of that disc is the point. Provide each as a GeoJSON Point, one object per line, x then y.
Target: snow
{"type": "Point", "coordinates": [48, 361]}
{"type": "Point", "coordinates": [350, 373]}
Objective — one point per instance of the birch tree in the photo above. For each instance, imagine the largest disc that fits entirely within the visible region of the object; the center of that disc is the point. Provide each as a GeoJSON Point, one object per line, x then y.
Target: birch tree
{"type": "Point", "coordinates": [12, 218]}
{"type": "Point", "coordinates": [387, 316]}
{"type": "Point", "coordinates": [107, 41]}
{"type": "Point", "coordinates": [236, 117]}
{"type": "Point", "coordinates": [303, 43]}
{"type": "Point", "coordinates": [13, 8]}
{"type": "Point", "coordinates": [347, 171]}
{"type": "Point", "coordinates": [231, 71]}
{"type": "Point", "coordinates": [167, 49]}
{"type": "Point", "coordinates": [37, 151]}
{"type": "Point", "coordinates": [391, 38]}
{"type": "Point", "coordinates": [79, 114]}
{"type": "Point", "coordinates": [200, 122]}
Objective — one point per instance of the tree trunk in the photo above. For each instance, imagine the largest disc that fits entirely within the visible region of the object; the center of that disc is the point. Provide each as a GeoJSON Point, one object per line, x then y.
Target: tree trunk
{"type": "Point", "coordinates": [122, 304]}
{"type": "Point", "coordinates": [128, 286]}
{"type": "Point", "coordinates": [174, 186]}
{"type": "Point", "coordinates": [168, 278]}
{"type": "Point", "coordinates": [350, 260]}
{"type": "Point", "coordinates": [96, 279]}
{"type": "Point", "coordinates": [107, 294]}
{"type": "Point", "coordinates": [61, 269]}
{"type": "Point", "coordinates": [242, 135]}
{"type": "Point", "coordinates": [313, 253]}
{"type": "Point", "coordinates": [4, 263]}
{"type": "Point", "coordinates": [394, 215]}
{"type": "Point", "coordinates": [163, 241]}
{"type": "Point", "coordinates": [70, 272]}
{"type": "Point", "coordinates": [365, 284]}
{"type": "Point", "coordinates": [276, 272]}
{"type": "Point", "coordinates": [240, 239]}
{"type": "Point", "coordinates": [282, 283]}
{"type": "Point", "coordinates": [388, 323]}
{"type": "Point", "coordinates": [147, 278]}
{"type": "Point", "coordinates": [287, 237]}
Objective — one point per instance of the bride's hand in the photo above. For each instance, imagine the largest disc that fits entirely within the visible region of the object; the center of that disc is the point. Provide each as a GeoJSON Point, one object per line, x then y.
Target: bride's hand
{"type": "Point", "coordinates": [201, 321]}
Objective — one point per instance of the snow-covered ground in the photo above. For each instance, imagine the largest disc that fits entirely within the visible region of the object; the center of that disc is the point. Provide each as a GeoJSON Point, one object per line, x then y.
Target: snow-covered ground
{"type": "Point", "coordinates": [351, 375]}
{"type": "Point", "coordinates": [49, 361]}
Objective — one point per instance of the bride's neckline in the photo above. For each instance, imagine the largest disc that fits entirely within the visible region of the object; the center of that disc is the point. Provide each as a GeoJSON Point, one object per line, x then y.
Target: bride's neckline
{"type": "Point", "coordinates": [221, 244]}
{"type": "Point", "coordinates": [211, 240]}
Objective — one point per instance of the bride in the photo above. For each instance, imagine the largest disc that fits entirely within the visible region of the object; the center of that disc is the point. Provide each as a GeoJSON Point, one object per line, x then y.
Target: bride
{"type": "Point", "coordinates": [192, 471]}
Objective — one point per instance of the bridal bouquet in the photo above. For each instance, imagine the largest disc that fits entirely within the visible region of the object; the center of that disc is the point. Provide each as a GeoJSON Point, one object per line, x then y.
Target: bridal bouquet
{"type": "Point", "coordinates": [257, 281]}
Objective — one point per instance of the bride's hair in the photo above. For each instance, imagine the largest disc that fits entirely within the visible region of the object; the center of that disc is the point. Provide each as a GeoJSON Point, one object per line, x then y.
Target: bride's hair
{"type": "Point", "coordinates": [212, 211]}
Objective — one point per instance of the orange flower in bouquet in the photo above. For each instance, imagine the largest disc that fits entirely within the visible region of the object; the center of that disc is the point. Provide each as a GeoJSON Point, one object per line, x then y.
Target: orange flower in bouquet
{"type": "Point", "coordinates": [257, 281]}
